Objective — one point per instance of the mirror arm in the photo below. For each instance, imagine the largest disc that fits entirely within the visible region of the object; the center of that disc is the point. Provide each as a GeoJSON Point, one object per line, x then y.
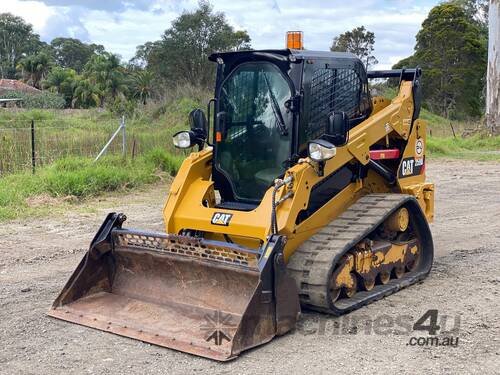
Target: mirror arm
{"type": "Point", "coordinates": [200, 138]}
{"type": "Point", "coordinates": [321, 168]}
{"type": "Point", "coordinates": [317, 166]}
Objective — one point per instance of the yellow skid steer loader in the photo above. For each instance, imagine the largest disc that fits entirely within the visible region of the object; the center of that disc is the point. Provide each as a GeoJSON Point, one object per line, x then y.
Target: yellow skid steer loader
{"type": "Point", "coordinates": [305, 191]}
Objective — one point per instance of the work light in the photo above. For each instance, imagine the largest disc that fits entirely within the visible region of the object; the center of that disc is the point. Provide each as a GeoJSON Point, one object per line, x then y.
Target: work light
{"type": "Point", "coordinates": [321, 150]}
{"type": "Point", "coordinates": [184, 139]}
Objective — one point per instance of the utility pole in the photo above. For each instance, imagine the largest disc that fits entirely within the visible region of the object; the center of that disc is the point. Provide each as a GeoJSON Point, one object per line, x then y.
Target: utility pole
{"type": "Point", "coordinates": [493, 84]}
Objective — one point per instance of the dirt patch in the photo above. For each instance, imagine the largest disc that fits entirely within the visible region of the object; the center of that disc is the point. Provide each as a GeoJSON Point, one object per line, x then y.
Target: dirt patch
{"type": "Point", "coordinates": [37, 257]}
{"type": "Point", "coordinates": [48, 200]}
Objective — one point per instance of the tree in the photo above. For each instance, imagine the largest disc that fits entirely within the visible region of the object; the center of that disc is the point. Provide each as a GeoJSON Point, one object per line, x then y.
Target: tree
{"type": "Point", "coordinates": [476, 10]}
{"type": "Point", "coordinates": [63, 81]}
{"type": "Point", "coordinates": [106, 72]}
{"type": "Point", "coordinates": [87, 94]}
{"type": "Point", "coordinates": [493, 76]}
{"type": "Point", "coordinates": [17, 40]}
{"type": "Point", "coordinates": [142, 85]}
{"type": "Point", "coordinates": [358, 41]}
{"type": "Point", "coordinates": [73, 53]}
{"type": "Point", "coordinates": [182, 53]}
{"type": "Point", "coordinates": [143, 54]}
{"type": "Point", "coordinates": [34, 68]}
{"type": "Point", "coordinates": [451, 49]}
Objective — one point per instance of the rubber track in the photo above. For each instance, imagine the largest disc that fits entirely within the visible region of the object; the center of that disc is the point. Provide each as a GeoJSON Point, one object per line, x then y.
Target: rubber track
{"type": "Point", "coordinates": [312, 263]}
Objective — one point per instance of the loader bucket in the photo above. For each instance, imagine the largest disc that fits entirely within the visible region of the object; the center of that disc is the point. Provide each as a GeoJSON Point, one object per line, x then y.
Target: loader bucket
{"type": "Point", "coordinates": [208, 298]}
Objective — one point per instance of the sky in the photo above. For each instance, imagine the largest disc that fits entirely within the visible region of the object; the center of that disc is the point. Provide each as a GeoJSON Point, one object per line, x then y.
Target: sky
{"type": "Point", "coordinates": [121, 25]}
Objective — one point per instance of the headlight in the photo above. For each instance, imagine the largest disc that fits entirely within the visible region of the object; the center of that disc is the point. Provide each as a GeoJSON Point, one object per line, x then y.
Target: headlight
{"type": "Point", "coordinates": [183, 139]}
{"type": "Point", "coordinates": [321, 150]}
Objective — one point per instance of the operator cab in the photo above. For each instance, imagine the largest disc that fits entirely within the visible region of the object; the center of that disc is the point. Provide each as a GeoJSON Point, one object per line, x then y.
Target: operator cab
{"type": "Point", "coordinates": [269, 105]}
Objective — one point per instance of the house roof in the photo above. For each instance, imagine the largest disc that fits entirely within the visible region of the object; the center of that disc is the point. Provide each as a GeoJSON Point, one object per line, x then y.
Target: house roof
{"type": "Point", "coordinates": [15, 85]}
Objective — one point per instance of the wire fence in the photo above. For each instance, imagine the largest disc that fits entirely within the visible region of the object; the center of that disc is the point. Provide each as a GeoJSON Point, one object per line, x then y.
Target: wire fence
{"type": "Point", "coordinates": [28, 144]}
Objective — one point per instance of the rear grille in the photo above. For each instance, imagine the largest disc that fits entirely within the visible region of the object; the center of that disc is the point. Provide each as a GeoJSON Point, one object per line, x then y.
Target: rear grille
{"type": "Point", "coordinates": [187, 246]}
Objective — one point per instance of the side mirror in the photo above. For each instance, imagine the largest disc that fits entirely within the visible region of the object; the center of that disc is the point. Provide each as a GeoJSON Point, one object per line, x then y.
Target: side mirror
{"type": "Point", "coordinates": [337, 131]}
{"type": "Point", "coordinates": [199, 127]}
{"type": "Point", "coordinates": [198, 133]}
{"type": "Point", "coordinates": [198, 121]}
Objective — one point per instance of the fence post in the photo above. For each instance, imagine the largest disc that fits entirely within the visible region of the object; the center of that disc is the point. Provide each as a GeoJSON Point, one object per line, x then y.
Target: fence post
{"type": "Point", "coordinates": [133, 148]}
{"type": "Point", "coordinates": [121, 127]}
{"type": "Point", "coordinates": [124, 138]}
{"type": "Point", "coordinates": [33, 156]}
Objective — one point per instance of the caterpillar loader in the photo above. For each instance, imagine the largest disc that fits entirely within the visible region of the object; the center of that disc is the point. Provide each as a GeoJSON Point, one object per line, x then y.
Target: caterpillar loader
{"type": "Point", "coordinates": [305, 192]}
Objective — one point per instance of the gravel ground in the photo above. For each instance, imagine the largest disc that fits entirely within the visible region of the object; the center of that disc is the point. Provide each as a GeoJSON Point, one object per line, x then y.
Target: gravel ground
{"type": "Point", "coordinates": [37, 257]}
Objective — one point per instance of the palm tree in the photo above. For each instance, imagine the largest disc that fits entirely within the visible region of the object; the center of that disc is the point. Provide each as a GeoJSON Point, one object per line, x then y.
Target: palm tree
{"type": "Point", "coordinates": [44, 64]}
{"type": "Point", "coordinates": [34, 68]}
{"type": "Point", "coordinates": [86, 94]}
{"type": "Point", "coordinates": [142, 85]}
{"type": "Point", "coordinates": [26, 66]}
{"type": "Point", "coordinates": [106, 72]}
{"type": "Point", "coordinates": [115, 83]}
{"type": "Point", "coordinates": [63, 81]}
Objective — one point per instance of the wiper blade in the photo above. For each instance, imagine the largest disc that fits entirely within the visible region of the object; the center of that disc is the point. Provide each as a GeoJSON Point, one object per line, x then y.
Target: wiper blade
{"type": "Point", "coordinates": [276, 110]}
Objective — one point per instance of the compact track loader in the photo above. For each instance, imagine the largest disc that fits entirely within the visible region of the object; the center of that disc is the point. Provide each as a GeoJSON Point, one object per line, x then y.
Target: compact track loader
{"type": "Point", "coordinates": [305, 192]}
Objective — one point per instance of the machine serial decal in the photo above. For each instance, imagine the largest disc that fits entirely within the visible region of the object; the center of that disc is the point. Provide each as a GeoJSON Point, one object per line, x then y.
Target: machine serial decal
{"type": "Point", "coordinates": [221, 218]}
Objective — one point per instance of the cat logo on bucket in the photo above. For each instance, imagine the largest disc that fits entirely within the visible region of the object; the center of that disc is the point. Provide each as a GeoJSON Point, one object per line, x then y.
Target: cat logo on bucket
{"type": "Point", "coordinates": [221, 218]}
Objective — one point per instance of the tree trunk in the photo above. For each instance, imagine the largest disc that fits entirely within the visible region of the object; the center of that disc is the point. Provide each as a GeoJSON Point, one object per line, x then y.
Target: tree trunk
{"type": "Point", "coordinates": [493, 84]}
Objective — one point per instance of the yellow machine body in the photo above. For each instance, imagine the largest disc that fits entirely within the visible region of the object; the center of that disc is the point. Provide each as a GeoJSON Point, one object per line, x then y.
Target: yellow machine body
{"type": "Point", "coordinates": [222, 280]}
{"type": "Point", "coordinates": [185, 208]}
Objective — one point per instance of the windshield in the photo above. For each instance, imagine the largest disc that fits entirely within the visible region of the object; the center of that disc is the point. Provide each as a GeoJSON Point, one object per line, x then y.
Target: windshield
{"type": "Point", "coordinates": [254, 127]}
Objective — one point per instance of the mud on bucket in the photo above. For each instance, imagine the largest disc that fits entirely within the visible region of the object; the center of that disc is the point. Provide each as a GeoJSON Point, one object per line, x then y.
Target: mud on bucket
{"type": "Point", "coordinates": [208, 298]}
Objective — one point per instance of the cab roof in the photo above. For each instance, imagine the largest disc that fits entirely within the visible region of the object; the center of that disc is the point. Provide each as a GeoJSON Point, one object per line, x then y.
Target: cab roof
{"type": "Point", "coordinates": [283, 54]}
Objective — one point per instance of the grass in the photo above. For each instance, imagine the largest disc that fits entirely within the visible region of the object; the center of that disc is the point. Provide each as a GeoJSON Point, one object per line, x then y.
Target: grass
{"type": "Point", "coordinates": [477, 147]}
{"type": "Point", "coordinates": [75, 179]}
{"type": "Point", "coordinates": [65, 133]}
{"type": "Point", "coordinates": [453, 138]}
{"type": "Point", "coordinates": [67, 141]}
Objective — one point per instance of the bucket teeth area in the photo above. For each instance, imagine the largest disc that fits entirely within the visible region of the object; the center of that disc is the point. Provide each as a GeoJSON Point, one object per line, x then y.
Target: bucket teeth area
{"type": "Point", "coordinates": [172, 291]}
{"type": "Point", "coordinates": [179, 326]}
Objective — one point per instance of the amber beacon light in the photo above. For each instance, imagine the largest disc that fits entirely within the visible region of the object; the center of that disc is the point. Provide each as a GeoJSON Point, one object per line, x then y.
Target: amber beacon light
{"type": "Point", "coordinates": [294, 40]}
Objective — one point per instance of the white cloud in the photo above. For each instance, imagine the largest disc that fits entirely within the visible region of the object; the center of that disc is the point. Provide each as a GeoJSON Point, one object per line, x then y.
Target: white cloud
{"type": "Point", "coordinates": [122, 25]}
{"type": "Point", "coordinates": [34, 12]}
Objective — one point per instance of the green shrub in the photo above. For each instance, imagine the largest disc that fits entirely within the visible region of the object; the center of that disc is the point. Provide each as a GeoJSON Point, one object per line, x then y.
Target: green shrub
{"type": "Point", "coordinates": [85, 182]}
{"type": "Point", "coordinates": [122, 107]}
{"type": "Point", "coordinates": [71, 164]}
{"type": "Point", "coordinates": [42, 100]}
{"type": "Point", "coordinates": [83, 177]}
{"type": "Point", "coordinates": [164, 161]}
